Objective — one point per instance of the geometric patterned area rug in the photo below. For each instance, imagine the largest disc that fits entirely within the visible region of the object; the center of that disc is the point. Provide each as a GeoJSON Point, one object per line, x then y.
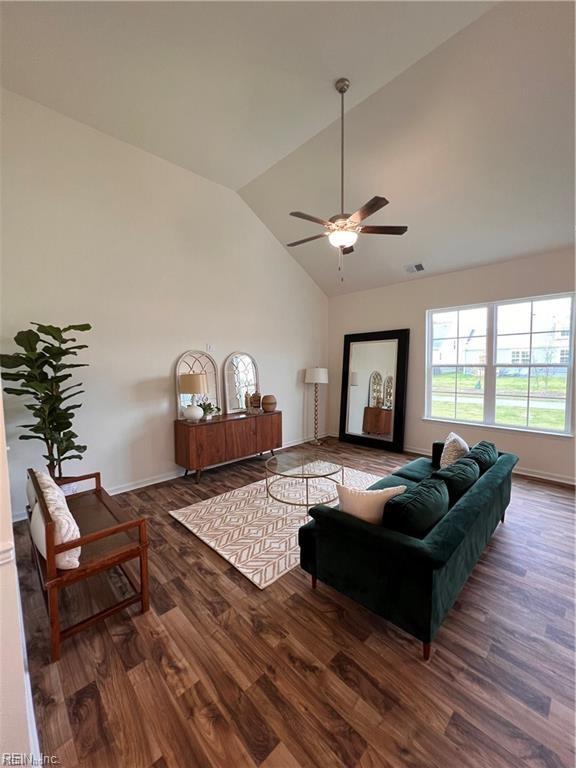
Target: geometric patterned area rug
{"type": "Point", "coordinates": [256, 534]}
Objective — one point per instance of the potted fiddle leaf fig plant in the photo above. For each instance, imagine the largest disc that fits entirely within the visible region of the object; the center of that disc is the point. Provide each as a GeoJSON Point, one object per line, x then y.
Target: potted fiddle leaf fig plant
{"type": "Point", "coordinates": [42, 370]}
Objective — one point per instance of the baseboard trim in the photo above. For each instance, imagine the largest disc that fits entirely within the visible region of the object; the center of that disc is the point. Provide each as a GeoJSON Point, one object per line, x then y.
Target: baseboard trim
{"type": "Point", "coordinates": [533, 474]}
{"type": "Point", "coordinates": [154, 480]}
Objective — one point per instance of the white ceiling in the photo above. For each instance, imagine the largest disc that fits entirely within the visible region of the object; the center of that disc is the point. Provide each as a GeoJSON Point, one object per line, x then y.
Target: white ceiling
{"type": "Point", "coordinates": [473, 146]}
{"type": "Point", "coordinates": [460, 113]}
{"type": "Point", "coordinates": [223, 89]}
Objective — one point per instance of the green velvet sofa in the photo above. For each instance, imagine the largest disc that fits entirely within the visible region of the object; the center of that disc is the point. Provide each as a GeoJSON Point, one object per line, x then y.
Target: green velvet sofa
{"type": "Point", "coordinates": [411, 582]}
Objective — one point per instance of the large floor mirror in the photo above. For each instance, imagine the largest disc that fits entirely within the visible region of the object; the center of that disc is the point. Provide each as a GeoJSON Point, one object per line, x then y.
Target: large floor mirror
{"type": "Point", "coordinates": [374, 376]}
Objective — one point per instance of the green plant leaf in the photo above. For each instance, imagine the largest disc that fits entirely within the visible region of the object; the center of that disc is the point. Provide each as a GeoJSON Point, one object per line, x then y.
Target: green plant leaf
{"type": "Point", "coordinates": [50, 330]}
{"type": "Point", "coordinates": [16, 360]}
{"type": "Point", "coordinates": [28, 340]}
{"type": "Point", "coordinates": [77, 327]}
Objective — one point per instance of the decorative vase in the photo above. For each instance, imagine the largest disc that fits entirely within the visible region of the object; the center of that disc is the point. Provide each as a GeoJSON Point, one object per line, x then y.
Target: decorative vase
{"type": "Point", "coordinates": [255, 400]}
{"type": "Point", "coordinates": [192, 413]}
{"type": "Point", "coordinates": [269, 403]}
{"type": "Point", "coordinates": [207, 416]}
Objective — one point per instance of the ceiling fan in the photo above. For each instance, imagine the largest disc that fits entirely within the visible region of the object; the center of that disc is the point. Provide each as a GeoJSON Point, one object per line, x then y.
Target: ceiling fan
{"type": "Point", "coordinates": [342, 229]}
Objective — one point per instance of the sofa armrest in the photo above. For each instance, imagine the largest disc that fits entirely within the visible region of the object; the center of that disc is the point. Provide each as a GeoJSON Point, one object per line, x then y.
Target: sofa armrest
{"type": "Point", "coordinates": [396, 546]}
{"type": "Point", "coordinates": [437, 448]}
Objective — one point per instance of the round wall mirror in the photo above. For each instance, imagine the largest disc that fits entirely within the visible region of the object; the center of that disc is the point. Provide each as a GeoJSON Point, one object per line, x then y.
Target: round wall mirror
{"type": "Point", "coordinates": [240, 378]}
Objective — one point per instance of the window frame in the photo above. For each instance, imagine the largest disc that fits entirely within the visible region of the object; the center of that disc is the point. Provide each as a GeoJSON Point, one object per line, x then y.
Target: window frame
{"type": "Point", "coordinates": [491, 366]}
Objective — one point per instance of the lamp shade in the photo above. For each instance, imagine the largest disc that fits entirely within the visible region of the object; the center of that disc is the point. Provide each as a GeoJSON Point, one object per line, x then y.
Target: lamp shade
{"type": "Point", "coordinates": [316, 376]}
{"type": "Point", "coordinates": [193, 384]}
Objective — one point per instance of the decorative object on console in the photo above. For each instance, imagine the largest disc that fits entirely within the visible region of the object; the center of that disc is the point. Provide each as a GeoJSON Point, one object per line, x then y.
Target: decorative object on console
{"type": "Point", "coordinates": [193, 384]}
{"type": "Point", "coordinates": [240, 379]}
{"type": "Point", "coordinates": [42, 370]}
{"type": "Point", "coordinates": [316, 376]}
{"type": "Point", "coordinates": [208, 409]}
{"type": "Point", "coordinates": [256, 401]}
{"type": "Point", "coordinates": [195, 361]}
{"type": "Point", "coordinates": [343, 229]}
{"type": "Point", "coordinates": [269, 403]}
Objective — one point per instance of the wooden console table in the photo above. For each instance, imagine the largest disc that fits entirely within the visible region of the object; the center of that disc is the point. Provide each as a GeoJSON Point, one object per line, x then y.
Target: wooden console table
{"type": "Point", "coordinates": [377, 421]}
{"type": "Point", "coordinates": [201, 444]}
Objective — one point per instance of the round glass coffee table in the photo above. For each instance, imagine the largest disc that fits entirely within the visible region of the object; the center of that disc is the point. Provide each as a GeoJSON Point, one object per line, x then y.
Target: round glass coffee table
{"type": "Point", "coordinates": [302, 479]}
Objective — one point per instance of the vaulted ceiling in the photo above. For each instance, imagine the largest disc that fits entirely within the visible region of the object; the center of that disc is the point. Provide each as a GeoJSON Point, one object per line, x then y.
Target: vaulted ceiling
{"type": "Point", "coordinates": [460, 113]}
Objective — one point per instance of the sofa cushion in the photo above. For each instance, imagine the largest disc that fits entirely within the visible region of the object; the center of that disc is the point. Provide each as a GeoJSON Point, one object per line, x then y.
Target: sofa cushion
{"type": "Point", "coordinates": [417, 470]}
{"type": "Point", "coordinates": [391, 481]}
{"type": "Point", "coordinates": [459, 477]}
{"type": "Point", "coordinates": [485, 454]}
{"type": "Point", "coordinates": [455, 447]}
{"type": "Point", "coordinates": [366, 505]}
{"type": "Point", "coordinates": [417, 511]}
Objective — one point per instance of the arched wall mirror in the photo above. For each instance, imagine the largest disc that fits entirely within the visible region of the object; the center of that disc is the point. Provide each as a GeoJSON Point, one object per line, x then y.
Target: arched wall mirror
{"type": "Point", "coordinates": [195, 361]}
{"type": "Point", "coordinates": [374, 388]}
{"type": "Point", "coordinates": [240, 378]}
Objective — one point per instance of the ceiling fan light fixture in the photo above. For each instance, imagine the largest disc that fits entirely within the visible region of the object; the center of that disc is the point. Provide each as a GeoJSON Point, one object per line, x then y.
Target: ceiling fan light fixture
{"type": "Point", "coordinates": [342, 238]}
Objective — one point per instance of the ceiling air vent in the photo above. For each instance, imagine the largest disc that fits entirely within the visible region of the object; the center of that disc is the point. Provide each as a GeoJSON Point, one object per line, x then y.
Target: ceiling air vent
{"type": "Point", "coordinates": [414, 268]}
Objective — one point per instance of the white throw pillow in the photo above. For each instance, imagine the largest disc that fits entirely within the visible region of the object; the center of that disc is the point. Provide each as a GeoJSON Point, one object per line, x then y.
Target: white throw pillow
{"type": "Point", "coordinates": [65, 527]}
{"type": "Point", "coordinates": [366, 505]}
{"type": "Point", "coordinates": [454, 448]}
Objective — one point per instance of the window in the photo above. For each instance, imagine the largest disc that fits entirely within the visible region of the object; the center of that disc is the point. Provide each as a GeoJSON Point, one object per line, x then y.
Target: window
{"type": "Point", "coordinates": [503, 364]}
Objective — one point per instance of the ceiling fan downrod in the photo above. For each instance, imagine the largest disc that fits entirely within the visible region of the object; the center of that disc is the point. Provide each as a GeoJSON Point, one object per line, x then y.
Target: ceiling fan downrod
{"type": "Point", "coordinates": [342, 85]}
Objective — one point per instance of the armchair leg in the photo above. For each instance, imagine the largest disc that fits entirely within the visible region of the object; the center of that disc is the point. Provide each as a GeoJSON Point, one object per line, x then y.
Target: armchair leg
{"type": "Point", "coordinates": [503, 516]}
{"type": "Point", "coordinates": [144, 590]}
{"type": "Point", "coordinates": [426, 651]}
{"type": "Point", "coordinates": [54, 623]}
{"type": "Point", "coordinates": [313, 581]}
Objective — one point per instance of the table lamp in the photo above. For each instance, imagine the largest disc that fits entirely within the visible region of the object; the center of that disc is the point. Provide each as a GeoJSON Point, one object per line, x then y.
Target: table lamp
{"type": "Point", "coordinates": [316, 376]}
{"type": "Point", "coordinates": [193, 384]}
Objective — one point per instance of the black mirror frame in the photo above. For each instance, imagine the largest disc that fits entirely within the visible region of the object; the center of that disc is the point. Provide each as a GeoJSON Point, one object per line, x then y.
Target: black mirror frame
{"type": "Point", "coordinates": [402, 336]}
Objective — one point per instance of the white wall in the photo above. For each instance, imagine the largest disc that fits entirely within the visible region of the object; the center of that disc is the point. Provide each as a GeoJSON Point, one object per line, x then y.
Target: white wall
{"type": "Point", "coordinates": [159, 260]}
{"type": "Point", "coordinates": [404, 306]}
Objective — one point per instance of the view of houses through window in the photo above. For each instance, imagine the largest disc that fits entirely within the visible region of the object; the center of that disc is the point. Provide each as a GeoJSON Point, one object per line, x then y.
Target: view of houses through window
{"type": "Point", "coordinates": [505, 364]}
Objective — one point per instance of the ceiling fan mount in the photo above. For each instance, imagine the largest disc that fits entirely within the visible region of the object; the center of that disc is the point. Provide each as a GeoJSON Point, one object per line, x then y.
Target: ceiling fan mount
{"type": "Point", "coordinates": [342, 229]}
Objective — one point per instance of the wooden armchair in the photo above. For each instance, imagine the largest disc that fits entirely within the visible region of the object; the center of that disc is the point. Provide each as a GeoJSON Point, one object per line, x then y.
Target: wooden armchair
{"type": "Point", "coordinates": [106, 542]}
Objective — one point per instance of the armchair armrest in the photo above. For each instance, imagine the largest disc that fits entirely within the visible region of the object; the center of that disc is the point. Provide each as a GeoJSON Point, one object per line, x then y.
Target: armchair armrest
{"type": "Point", "coordinates": [69, 479]}
{"type": "Point", "coordinates": [396, 546]}
{"type": "Point", "coordinates": [104, 533]}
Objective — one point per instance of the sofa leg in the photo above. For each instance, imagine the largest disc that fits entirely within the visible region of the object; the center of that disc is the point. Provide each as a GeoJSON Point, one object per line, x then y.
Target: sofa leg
{"type": "Point", "coordinates": [426, 651]}
{"type": "Point", "coordinates": [313, 581]}
{"type": "Point", "coordinates": [503, 516]}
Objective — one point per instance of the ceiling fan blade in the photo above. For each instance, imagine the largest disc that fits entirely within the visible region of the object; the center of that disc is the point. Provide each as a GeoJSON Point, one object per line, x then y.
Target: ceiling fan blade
{"type": "Point", "coordinates": [368, 209]}
{"type": "Point", "coordinates": [306, 240]}
{"type": "Point", "coordinates": [307, 217]}
{"type": "Point", "coordinates": [350, 249]}
{"type": "Point", "coordinates": [383, 230]}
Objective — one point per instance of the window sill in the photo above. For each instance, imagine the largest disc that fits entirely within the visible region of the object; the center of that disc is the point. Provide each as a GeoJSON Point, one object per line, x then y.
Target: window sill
{"type": "Point", "coordinates": [499, 427]}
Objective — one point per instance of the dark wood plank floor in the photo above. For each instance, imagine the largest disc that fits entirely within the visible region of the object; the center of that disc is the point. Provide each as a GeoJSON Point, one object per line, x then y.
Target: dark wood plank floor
{"type": "Point", "coordinates": [219, 673]}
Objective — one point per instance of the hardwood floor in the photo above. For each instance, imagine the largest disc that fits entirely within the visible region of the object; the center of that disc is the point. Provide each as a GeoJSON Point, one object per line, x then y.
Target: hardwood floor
{"type": "Point", "coordinates": [219, 673]}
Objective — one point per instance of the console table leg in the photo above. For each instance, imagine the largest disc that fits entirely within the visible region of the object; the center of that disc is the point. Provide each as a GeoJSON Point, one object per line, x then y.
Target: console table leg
{"type": "Point", "coordinates": [272, 451]}
{"type": "Point", "coordinates": [185, 473]}
{"type": "Point", "coordinates": [313, 581]}
{"type": "Point", "coordinates": [426, 651]}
